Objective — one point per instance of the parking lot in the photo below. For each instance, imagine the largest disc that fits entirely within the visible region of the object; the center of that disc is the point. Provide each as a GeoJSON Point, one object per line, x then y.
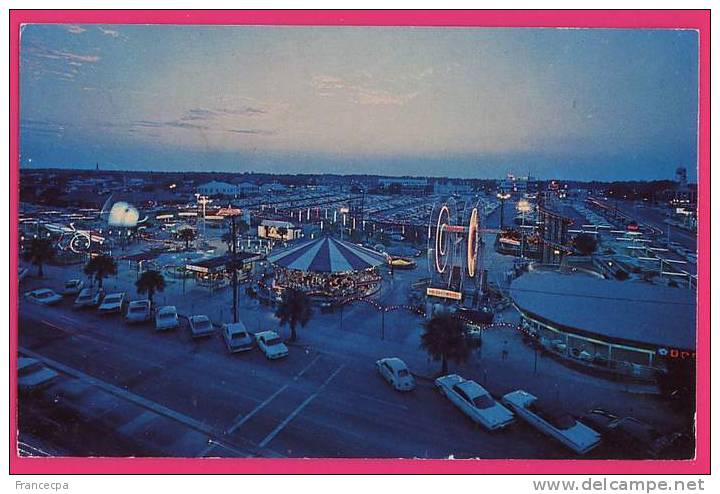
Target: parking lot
{"type": "Point", "coordinates": [217, 404]}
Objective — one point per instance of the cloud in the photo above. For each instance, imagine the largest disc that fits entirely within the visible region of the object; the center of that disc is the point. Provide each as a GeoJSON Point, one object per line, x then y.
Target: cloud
{"type": "Point", "coordinates": [75, 29]}
{"type": "Point", "coordinates": [361, 92]}
{"type": "Point", "coordinates": [250, 131]}
{"type": "Point", "coordinates": [212, 114]}
{"type": "Point", "coordinates": [63, 55]}
{"type": "Point", "coordinates": [185, 124]}
{"type": "Point", "coordinates": [109, 32]}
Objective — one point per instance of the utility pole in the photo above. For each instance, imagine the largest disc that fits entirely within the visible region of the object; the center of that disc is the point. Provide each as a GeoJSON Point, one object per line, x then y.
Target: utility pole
{"type": "Point", "coordinates": [233, 234]}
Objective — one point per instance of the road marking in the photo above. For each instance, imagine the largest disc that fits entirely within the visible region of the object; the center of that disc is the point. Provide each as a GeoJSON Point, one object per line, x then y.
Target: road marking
{"type": "Point", "coordinates": [239, 421]}
{"type": "Point", "coordinates": [144, 402]}
{"type": "Point", "coordinates": [299, 409]}
{"type": "Point", "coordinates": [212, 444]}
{"type": "Point", "coordinates": [305, 369]}
{"type": "Point", "coordinates": [255, 410]}
{"type": "Point", "coordinates": [139, 400]}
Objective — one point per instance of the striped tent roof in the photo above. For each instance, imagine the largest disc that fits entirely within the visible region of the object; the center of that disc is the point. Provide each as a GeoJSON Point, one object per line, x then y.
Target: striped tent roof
{"type": "Point", "coordinates": [327, 255]}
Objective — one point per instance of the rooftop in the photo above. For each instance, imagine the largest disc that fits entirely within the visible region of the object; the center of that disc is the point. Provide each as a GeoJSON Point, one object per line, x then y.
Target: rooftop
{"type": "Point", "coordinates": [623, 311]}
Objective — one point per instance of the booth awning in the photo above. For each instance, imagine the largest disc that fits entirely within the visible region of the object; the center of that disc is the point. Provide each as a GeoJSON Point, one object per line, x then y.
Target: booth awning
{"type": "Point", "coordinates": [217, 264]}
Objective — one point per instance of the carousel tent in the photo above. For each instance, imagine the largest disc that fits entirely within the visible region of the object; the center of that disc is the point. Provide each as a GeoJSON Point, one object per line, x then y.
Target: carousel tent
{"type": "Point", "coordinates": [327, 255]}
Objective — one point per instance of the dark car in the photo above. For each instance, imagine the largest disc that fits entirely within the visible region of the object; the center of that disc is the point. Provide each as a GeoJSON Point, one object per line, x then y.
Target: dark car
{"type": "Point", "coordinates": [635, 438]}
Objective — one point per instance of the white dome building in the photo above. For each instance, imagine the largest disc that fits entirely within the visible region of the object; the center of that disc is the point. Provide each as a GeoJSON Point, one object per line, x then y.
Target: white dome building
{"type": "Point", "coordinates": [123, 215]}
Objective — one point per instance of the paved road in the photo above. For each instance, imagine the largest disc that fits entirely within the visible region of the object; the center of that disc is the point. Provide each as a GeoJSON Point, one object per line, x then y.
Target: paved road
{"type": "Point", "coordinates": [311, 404]}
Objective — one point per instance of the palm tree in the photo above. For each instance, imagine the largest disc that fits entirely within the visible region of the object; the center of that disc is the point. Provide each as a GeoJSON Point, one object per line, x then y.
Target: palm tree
{"type": "Point", "coordinates": [39, 252]}
{"type": "Point", "coordinates": [187, 235]}
{"type": "Point", "coordinates": [101, 267]}
{"type": "Point", "coordinates": [150, 281]}
{"type": "Point", "coordinates": [444, 339]}
{"type": "Point", "coordinates": [294, 309]}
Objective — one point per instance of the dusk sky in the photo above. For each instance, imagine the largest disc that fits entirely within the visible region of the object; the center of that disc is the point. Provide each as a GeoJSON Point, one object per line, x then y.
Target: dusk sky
{"type": "Point", "coordinates": [474, 103]}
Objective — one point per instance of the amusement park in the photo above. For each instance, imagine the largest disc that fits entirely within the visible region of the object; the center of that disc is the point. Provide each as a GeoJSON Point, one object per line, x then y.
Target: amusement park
{"type": "Point", "coordinates": [525, 275]}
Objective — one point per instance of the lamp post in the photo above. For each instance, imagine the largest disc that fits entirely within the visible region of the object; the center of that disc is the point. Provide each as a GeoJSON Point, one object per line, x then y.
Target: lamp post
{"type": "Point", "coordinates": [204, 200]}
{"type": "Point", "coordinates": [503, 196]}
{"type": "Point", "coordinates": [523, 206]}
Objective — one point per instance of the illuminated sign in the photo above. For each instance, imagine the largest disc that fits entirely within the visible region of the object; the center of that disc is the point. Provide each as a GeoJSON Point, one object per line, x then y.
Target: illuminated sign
{"type": "Point", "coordinates": [675, 353]}
{"type": "Point", "coordinates": [229, 211]}
{"type": "Point", "coordinates": [198, 269]}
{"type": "Point", "coordinates": [454, 228]}
{"type": "Point", "coordinates": [439, 292]}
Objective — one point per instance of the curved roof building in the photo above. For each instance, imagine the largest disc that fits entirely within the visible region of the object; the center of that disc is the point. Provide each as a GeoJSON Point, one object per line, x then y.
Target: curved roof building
{"type": "Point", "coordinates": [634, 314]}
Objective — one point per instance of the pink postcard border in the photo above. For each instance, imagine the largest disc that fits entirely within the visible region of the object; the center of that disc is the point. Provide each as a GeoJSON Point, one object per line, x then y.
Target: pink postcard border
{"type": "Point", "coordinates": [663, 19]}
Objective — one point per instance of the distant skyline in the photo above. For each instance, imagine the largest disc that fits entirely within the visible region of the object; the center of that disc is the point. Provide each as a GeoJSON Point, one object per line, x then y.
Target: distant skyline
{"type": "Point", "coordinates": [459, 102]}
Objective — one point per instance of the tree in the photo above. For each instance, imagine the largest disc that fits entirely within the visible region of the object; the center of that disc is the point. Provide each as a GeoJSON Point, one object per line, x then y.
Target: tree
{"type": "Point", "coordinates": [100, 267]}
{"type": "Point", "coordinates": [444, 339]}
{"type": "Point", "coordinates": [294, 309]}
{"type": "Point", "coordinates": [187, 235]}
{"type": "Point", "coordinates": [39, 252]}
{"type": "Point", "coordinates": [150, 281]}
{"type": "Point", "coordinates": [585, 244]}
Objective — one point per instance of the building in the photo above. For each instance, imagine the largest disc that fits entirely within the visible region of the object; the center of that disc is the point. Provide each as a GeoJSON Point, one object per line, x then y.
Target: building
{"type": "Point", "coordinates": [406, 185]}
{"type": "Point", "coordinates": [272, 230]}
{"type": "Point", "coordinates": [628, 328]}
{"type": "Point", "coordinates": [273, 188]}
{"type": "Point", "coordinates": [215, 188]}
{"type": "Point", "coordinates": [248, 189]}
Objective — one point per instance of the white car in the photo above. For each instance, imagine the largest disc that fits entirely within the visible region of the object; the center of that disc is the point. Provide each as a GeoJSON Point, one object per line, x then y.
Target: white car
{"type": "Point", "coordinates": [112, 303]}
{"type": "Point", "coordinates": [33, 375]}
{"type": "Point", "coordinates": [44, 296]}
{"type": "Point", "coordinates": [237, 338]}
{"type": "Point", "coordinates": [72, 287]}
{"type": "Point", "coordinates": [138, 311]}
{"type": "Point", "coordinates": [200, 326]}
{"type": "Point", "coordinates": [396, 373]}
{"type": "Point", "coordinates": [166, 318]}
{"type": "Point", "coordinates": [89, 297]}
{"type": "Point", "coordinates": [271, 345]}
{"type": "Point", "coordinates": [561, 426]}
{"type": "Point", "coordinates": [474, 401]}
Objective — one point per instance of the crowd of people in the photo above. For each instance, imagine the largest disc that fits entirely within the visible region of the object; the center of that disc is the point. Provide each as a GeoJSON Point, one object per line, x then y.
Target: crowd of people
{"type": "Point", "coordinates": [336, 286]}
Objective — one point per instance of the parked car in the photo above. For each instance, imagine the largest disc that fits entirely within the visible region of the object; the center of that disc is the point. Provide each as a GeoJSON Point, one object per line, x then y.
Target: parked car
{"type": "Point", "coordinates": [200, 326]}
{"type": "Point", "coordinates": [395, 372]}
{"type": "Point", "coordinates": [474, 401]}
{"type": "Point", "coordinates": [72, 287]}
{"type": "Point", "coordinates": [112, 303]}
{"type": "Point", "coordinates": [138, 311]}
{"type": "Point", "coordinates": [89, 297]}
{"type": "Point", "coordinates": [633, 437]}
{"type": "Point", "coordinates": [557, 424]}
{"type": "Point", "coordinates": [237, 338]}
{"type": "Point", "coordinates": [166, 318]}
{"type": "Point", "coordinates": [32, 375]}
{"type": "Point", "coordinates": [270, 344]}
{"type": "Point", "coordinates": [44, 296]}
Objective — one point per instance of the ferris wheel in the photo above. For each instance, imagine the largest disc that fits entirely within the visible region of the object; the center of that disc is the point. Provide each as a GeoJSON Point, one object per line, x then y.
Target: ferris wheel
{"type": "Point", "coordinates": [455, 253]}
